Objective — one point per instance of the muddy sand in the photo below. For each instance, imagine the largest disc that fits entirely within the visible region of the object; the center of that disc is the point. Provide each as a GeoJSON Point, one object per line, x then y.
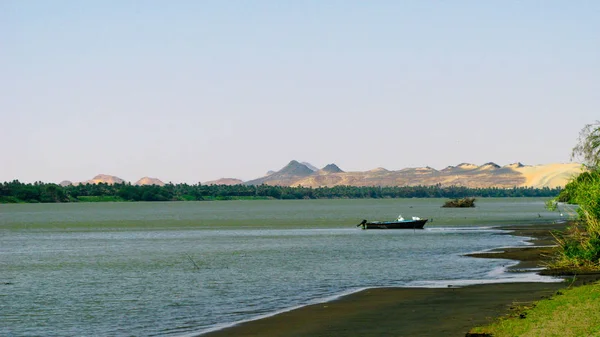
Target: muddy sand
{"type": "Point", "coordinates": [448, 311]}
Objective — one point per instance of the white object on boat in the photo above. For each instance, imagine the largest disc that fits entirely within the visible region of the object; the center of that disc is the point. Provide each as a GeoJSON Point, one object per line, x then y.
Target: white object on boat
{"type": "Point", "coordinates": [400, 218]}
{"type": "Point", "coordinates": [416, 218]}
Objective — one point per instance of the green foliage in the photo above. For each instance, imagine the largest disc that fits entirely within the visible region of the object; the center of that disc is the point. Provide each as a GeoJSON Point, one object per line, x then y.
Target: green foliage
{"type": "Point", "coordinates": [580, 245]}
{"type": "Point", "coordinates": [576, 250]}
{"type": "Point", "coordinates": [588, 146]}
{"type": "Point", "coordinates": [584, 191]}
{"type": "Point", "coordinates": [186, 197]}
{"type": "Point", "coordinates": [99, 198]}
{"type": "Point", "coordinates": [460, 203]}
{"type": "Point", "coordinates": [9, 200]}
{"type": "Point", "coordinates": [16, 191]}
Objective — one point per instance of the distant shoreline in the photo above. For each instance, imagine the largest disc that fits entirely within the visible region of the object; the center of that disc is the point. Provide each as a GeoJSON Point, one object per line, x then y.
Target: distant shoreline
{"type": "Point", "coordinates": [17, 192]}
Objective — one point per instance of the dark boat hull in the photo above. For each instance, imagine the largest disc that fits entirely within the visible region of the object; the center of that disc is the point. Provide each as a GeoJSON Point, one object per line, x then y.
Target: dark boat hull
{"type": "Point", "coordinates": [406, 224]}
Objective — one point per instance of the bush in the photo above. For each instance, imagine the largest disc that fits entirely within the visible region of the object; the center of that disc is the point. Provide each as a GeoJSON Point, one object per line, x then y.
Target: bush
{"type": "Point", "coordinates": [580, 244]}
{"type": "Point", "coordinates": [464, 202]}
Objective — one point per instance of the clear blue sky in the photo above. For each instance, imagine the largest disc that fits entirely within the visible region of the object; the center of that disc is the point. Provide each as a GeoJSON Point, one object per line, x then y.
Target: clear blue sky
{"type": "Point", "coordinates": [191, 91]}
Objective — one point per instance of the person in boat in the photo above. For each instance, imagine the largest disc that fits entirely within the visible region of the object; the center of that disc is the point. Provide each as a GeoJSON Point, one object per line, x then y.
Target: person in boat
{"type": "Point", "coordinates": [363, 223]}
{"type": "Point", "coordinates": [400, 218]}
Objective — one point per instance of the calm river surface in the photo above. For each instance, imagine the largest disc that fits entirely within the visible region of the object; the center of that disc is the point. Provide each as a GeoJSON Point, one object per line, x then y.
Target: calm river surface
{"type": "Point", "coordinates": [183, 268]}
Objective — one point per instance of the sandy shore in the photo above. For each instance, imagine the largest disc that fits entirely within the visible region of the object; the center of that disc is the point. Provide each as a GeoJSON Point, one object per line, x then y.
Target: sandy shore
{"type": "Point", "coordinates": [416, 311]}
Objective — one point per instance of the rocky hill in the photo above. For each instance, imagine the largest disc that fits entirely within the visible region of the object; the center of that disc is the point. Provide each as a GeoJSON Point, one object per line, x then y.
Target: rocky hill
{"type": "Point", "coordinates": [310, 166]}
{"type": "Point", "coordinates": [465, 174]}
{"type": "Point", "coordinates": [331, 168]}
{"type": "Point", "coordinates": [287, 176]}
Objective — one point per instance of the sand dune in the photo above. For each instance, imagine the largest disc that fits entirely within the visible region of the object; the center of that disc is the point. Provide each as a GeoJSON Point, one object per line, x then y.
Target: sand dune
{"type": "Point", "coordinates": [550, 175]}
{"type": "Point", "coordinates": [150, 181]}
{"type": "Point", "coordinates": [224, 181]}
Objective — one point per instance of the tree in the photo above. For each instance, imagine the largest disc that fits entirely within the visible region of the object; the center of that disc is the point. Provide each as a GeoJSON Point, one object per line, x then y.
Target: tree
{"type": "Point", "coordinates": [588, 146]}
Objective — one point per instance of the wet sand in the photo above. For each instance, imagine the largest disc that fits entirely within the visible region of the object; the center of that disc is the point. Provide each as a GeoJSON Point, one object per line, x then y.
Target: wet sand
{"type": "Point", "coordinates": [448, 311]}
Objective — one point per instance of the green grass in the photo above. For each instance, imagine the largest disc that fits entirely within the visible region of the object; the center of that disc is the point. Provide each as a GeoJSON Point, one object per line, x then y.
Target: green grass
{"type": "Point", "coordinates": [570, 312]}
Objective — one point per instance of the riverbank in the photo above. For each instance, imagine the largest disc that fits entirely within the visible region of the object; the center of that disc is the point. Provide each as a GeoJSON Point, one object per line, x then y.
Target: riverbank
{"type": "Point", "coordinates": [419, 311]}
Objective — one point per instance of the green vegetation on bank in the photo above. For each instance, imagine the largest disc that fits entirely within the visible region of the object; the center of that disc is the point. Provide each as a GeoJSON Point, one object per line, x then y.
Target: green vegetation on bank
{"type": "Point", "coordinates": [15, 192]}
{"type": "Point", "coordinates": [580, 243]}
{"type": "Point", "coordinates": [570, 312]}
{"type": "Point", "coordinates": [100, 198]}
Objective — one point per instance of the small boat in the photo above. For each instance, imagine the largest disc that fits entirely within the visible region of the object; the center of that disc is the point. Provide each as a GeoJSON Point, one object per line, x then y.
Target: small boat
{"type": "Point", "coordinates": [400, 223]}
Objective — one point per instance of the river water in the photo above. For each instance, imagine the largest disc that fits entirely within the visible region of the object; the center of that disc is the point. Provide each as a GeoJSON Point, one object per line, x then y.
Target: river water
{"type": "Point", "coordinates": [183, 268]}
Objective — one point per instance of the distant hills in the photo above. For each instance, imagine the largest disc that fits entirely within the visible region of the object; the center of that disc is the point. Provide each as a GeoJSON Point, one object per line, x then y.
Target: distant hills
{"type": "Point", "coordinates": [104, 178]}
{"type": "Point", "coordinates": [149, 181]}
{"type": "Point", "coordinates": [224, 181]}
{"type": "Point", "coordinates": [287, 176]}
{"type": "Point", "coordinates": [331, 168]}
{"type": "Point", "coordinates": [108, 179]}
{"type": "Point", "coordinates": [465, 174]}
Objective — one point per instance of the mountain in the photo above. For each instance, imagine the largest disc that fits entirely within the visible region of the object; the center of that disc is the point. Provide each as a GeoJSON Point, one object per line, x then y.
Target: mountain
{"type": "Point", "coordinates": [310, 166]}
{"type": "Point", "coordinates": [515, 165]}
{"type": "Point", "coordinates": [286, 176]}
{"type": "Point", "coordinates": [466, 166]}
{"type": "Point", "coordinates": [295, 168]}
{"type": "Point", "coordinates": [66, 183]}
{"type": "Point", "coordinates": [489, 166]}
{"type": "Point", "coordinates": [224, 181]}
{"type": "Point", "coordinates": [149, 181]}
{"type": "Point", "coordinates": [465, 174]}
{"type": "Point", "coordinates": [331, 168]}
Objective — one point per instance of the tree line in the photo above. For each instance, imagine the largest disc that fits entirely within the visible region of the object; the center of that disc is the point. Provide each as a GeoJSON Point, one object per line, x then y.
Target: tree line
{"type": "Point", "coordinates": [15, 192]}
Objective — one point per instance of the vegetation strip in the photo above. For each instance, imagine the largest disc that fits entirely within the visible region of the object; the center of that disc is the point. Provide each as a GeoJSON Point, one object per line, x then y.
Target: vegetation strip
{"type": "Point", "coordinates": [17, 192]}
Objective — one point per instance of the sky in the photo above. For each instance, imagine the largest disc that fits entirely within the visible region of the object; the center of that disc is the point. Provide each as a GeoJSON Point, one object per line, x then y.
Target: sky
{"type": "Point", "coordinates": [192, 91]}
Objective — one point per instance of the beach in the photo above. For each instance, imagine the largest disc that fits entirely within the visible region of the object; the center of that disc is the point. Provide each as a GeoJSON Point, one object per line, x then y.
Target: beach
{"type": "Point", "coordinates": [450, 311]}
